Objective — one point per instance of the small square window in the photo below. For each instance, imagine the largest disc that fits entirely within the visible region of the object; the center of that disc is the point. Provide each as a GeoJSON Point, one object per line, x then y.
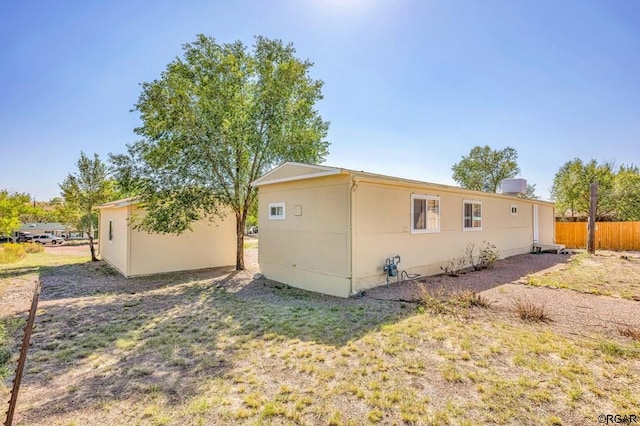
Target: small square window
{"type": "Point", "coordinates": [514, 210]}
{"type": "Point", "coordinates": [472, 215]}
{"type": "Point", "coordinates": [277, 211]}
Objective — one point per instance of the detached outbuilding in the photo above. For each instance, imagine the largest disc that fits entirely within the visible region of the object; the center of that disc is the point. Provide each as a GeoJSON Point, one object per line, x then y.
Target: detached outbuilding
{"type": "Point", "coordinates": [331, 230]}
{"type": "Point", "coordinates": [210, 244]}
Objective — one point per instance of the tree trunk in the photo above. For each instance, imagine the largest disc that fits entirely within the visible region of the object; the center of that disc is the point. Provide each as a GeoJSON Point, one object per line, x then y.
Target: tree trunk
{"type": "Point", "coordinates": [93, 249]}
{"type": "Point", "coordinates": [240, 222]}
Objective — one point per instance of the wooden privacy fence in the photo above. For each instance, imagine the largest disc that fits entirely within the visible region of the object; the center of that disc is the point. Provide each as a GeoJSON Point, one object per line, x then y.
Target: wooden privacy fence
{"type": "Point", "coordinates": [609, 235]}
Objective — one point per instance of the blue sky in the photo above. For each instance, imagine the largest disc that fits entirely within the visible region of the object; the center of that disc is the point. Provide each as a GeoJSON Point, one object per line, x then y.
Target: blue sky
{"type": "Point", "coordinates": [410, 86]}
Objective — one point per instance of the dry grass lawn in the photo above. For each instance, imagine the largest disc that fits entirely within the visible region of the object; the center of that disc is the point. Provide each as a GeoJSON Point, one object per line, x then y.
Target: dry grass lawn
{"type": "Point", "coordinates": [607, 273]}
{"type": "Point", "coordinates": [217, 347]}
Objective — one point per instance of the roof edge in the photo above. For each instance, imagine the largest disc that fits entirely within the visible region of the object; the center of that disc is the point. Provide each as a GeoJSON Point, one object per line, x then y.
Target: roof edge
{"type": "Point", "coordinates": [385, 179]}
{"type": "Point", "coordinates": [123, 202]}
{"type": "Point", "coordinates": [322, 171]}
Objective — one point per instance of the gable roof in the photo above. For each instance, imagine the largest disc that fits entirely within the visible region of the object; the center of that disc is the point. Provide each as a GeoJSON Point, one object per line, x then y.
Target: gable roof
{"type": "Point", "coordinates": [290, 171]}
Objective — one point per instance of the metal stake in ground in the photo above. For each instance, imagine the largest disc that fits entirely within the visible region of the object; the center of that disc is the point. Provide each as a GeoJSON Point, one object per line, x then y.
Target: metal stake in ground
{"type": "Point", "coordinates": [23, 354]}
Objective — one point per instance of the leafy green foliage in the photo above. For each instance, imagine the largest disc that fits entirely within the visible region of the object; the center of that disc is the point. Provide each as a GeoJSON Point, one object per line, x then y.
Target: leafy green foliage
{"type": "Point", "coordinates": [531, 193]}
{"type": "Point", "coordinates": [618, 190]}
{"type": "Point", "coordinates": [12, 207]}
{"type": "Point", "coordinates": [217, 119]}
{"type": "Point", "coordinates": [626, 191]}
{"type": "Point", "coordinates": [488, 254]}
{"type": "Point", "coordinates": [485, 168]}
{"type": "Point", "coordinates": [82, 192]}
{"type": "Point", "coordinates": [42, 212]}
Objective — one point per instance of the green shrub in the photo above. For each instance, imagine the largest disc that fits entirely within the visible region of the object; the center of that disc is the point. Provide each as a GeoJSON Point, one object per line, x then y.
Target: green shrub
{"type": "Point", "coordinates": [11, 252]}
{"type": "Point", "coordinates": [487, 255]}
{"type": "Point", "coordinates": [33, 248]}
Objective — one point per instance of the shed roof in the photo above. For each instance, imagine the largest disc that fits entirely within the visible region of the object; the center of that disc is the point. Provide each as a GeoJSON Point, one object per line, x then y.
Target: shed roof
{"type": "Point", "coordinates": [123, 202]}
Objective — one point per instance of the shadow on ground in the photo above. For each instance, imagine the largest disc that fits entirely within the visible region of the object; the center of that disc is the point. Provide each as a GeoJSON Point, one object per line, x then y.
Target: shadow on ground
{"type": "Point", "coordinates": [509, 270]}
{"type": "Point", "coordinates": [100, 337]}
{"type": "Point", "coordinates": [99, 278]}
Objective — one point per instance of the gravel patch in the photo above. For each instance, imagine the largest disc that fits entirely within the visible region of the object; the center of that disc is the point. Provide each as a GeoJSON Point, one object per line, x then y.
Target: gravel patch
{"type": "Point", "coordinates": [571, 312]}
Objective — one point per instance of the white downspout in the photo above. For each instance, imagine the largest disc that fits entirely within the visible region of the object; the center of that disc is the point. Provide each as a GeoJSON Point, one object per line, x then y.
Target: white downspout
{"type": "Point", "coordinates": [352, 189]}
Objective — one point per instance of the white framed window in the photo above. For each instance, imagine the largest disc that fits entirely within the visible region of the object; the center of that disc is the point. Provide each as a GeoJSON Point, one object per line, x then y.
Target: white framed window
{"type": "Point", "coordinates": [471, 215]}
{"type": "Point", "coordinates": [277, 211]}
{"type": "Point", "coordinates": [514, 210]}
{"type": "Point", "coordinates": [425, 214]}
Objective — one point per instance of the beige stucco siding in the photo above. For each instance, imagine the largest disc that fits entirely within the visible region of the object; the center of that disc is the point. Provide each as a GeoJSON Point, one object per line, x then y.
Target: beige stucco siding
{"type": "Point", "coordinates": [546, 224]}
{"type": "Point", "coordinates": [340, 226]}
{"type": "Point", "coordinates": [209, 244]}
{"type": "Point", "coordinates": [114, 251]}
{"type": "Point", "coordinates": [382, 229]}
{"type": "Point", "coordinates": [309, 248]}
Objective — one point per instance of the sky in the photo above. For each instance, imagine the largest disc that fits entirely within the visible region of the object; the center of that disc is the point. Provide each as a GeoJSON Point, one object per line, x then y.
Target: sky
{"type": "Point", "coordinates": [410, 86]}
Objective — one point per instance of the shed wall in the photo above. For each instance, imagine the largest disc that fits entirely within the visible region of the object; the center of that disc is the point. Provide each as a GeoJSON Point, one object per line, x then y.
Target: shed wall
{"type": "Point", "coordinates": [115, 251]}
{"type": "Point", "coordinates": [210, 244]}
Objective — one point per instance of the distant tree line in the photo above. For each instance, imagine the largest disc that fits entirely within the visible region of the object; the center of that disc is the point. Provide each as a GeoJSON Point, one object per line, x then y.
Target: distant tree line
{"type": "Point", "coordinates": [484, 168]}
{"type": "Point", "coordinates": [618, 190]}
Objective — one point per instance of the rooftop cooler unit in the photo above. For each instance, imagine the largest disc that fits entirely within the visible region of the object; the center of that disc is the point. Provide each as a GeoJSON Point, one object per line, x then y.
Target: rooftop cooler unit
{"type": "Point", "coordinates": [514, 186]}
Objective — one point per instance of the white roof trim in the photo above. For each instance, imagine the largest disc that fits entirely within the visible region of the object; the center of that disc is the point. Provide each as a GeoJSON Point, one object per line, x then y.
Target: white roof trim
{"type": "Point", "coordinates": [322, 171]}
{"type": "Point", "coordinates": [118, 203]}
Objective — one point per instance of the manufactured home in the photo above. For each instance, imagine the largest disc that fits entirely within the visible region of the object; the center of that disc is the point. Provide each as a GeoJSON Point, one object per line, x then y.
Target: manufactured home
{"type": "Point", "coordinates": [333, 230]}
{"type": "Point", "coordinates": [209, 244]}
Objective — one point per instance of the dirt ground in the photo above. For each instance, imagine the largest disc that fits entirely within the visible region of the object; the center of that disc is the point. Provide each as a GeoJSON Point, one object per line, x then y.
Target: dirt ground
{"type": "Point", "coordinates": [571, 312]}
{"type": "Point", "coordinates": [85, 305]}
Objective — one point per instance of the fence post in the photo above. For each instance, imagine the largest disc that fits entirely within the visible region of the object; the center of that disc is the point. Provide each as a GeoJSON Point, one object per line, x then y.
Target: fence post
{"type": "Point", "coordinates": [23, 354]}
{"type": "Point", "coordinates": [591, 240]}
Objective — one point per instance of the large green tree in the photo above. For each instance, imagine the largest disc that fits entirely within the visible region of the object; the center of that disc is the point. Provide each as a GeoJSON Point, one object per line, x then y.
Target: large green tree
{"type": "Point", "coordinates": [82, 191]}
{"type": "Point", "coordinates": [571, 188]}
{"type": "Point", "coordinates": [217, 119]}
{"type": "Point", "coordinates": [13, 205]}
{"type": "Point", "coordinates": [626, 192]}
{"type": "Point", "coordinates": [530, 194]}
{"type": "Point", "coordinates": [485, 168]}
